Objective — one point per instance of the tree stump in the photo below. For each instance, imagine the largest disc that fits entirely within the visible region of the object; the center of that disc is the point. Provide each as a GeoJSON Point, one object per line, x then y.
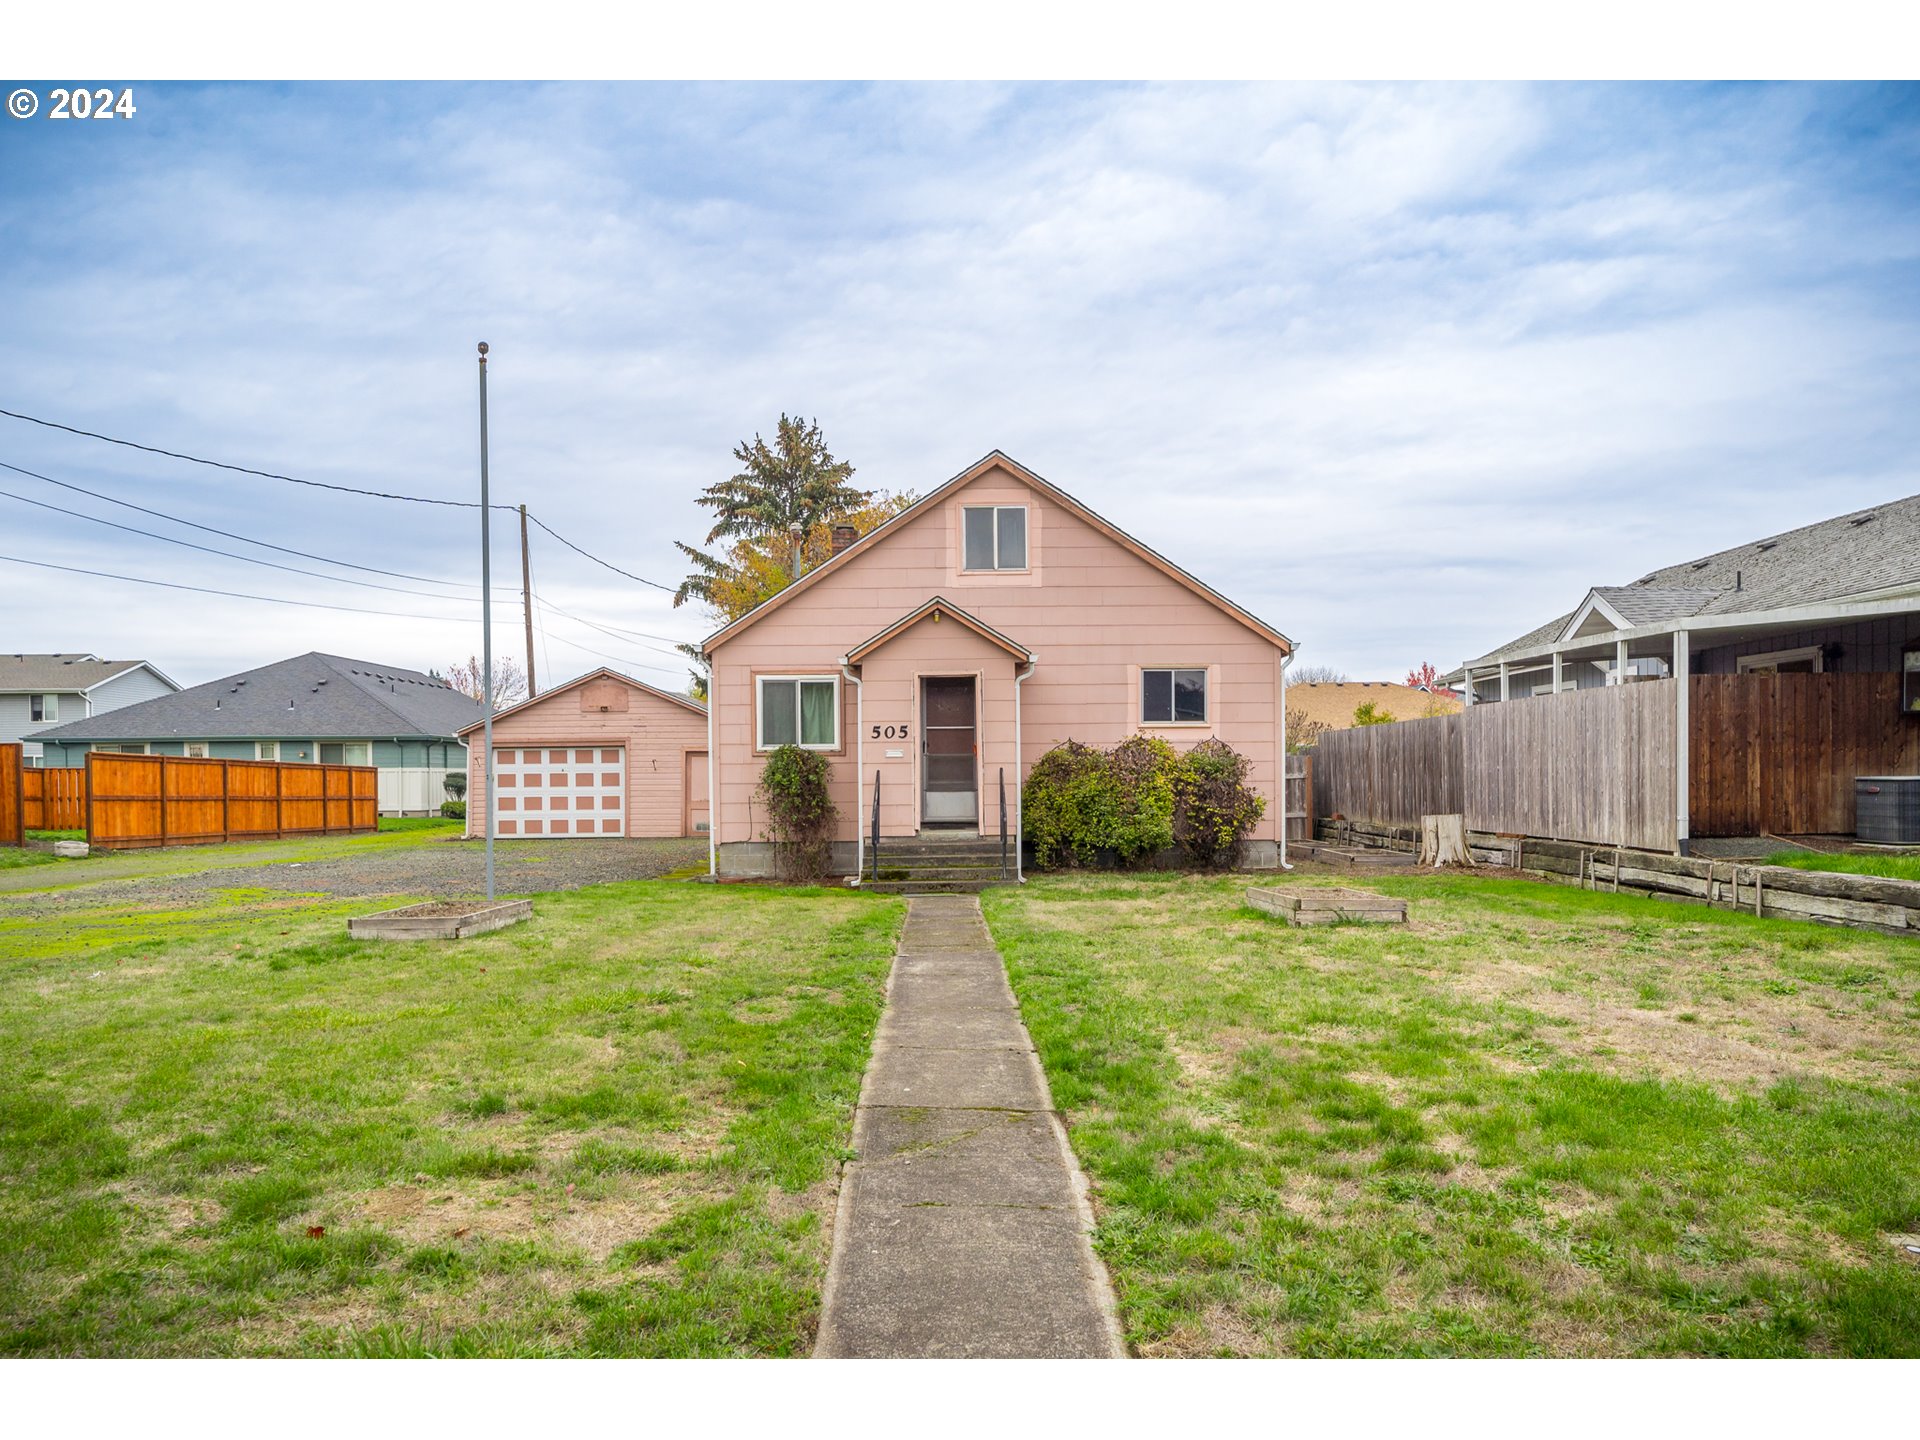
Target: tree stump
{"type": "Point", "coordinates": [1443, 840]}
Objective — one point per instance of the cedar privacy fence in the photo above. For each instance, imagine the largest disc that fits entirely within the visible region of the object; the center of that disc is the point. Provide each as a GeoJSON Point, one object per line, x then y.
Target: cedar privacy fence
{"type": "Point", "coordinates": [13, 820]}
{"type": "Point", "coordinates": [1766, 754]}
{"type": "Point", "coordinates": [137, 801]}
{"type": "Point", "coordinates": [54, 799]}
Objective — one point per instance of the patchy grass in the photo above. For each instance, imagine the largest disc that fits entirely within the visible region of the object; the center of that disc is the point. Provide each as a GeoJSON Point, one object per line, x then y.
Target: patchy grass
{"type": "Point", "coordinates": [612, 1130]}
{"type": "Point", "coordinates": [56, 835]}
{"type": "Point", "coordinates": [394, 833]}
{"type": "Point", "coordinates": [13, 857]}
{"type": "Point", "coordinates": [1891, 867]}
{"type": "Point", "coordinates": [1533, 1121]}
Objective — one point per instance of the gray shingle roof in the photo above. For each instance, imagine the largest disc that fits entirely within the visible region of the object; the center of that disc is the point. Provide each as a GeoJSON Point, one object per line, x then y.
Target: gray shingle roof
{"type": "Point", "coordinates": [1839, 559]}
{"type": "Point", "coordinates": [309, 697]}
{"type": "Point", "coordinates": [64, 671]}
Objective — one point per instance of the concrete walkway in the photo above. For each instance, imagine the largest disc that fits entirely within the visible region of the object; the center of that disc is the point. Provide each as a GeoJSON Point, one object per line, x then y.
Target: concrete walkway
{"type": "Point", "coordinates": [962, 1227]}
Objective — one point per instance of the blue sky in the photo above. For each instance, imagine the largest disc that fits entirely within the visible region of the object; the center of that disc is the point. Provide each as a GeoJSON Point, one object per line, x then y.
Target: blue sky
{"type": "Point", "coordinates": [1402, 369]}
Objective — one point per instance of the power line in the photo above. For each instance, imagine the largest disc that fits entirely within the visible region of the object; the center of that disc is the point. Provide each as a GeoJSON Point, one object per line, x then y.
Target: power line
{"type": "Point", "coordinates": [612, 632]}
{"type": "Point", "coordinates": [588, 553]}
{"type": "Point", "coordinates": [244, 470]}
{"type": "Point", "coordinates": [229, 554]}
{"type": "Point", "coordinates": [318, 485]}
{"type": "Point", "coordinates": [233, 594]}
{"type": "Point", "coordinates": [228, 534]}
{"type": "Point", "coordinates": [617, 659]}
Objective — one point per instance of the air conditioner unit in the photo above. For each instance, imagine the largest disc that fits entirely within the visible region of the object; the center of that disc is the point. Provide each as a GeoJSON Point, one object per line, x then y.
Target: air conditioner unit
{"type": "Point", "coordinates": [1887, 809]}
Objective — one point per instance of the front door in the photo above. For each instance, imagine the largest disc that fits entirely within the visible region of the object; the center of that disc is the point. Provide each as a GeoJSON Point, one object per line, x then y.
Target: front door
{"type": "Point", "coordinates": [948, 752]}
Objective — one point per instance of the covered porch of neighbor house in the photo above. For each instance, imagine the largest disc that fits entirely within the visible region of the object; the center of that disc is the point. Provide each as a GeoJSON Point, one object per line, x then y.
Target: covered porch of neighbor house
{"type": "Point", "coordinates": [1780, 710]}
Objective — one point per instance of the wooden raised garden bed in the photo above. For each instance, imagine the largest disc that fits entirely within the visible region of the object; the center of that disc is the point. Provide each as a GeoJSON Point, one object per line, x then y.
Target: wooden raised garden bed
{"type": "Point", "coordinates": [1323, 905]}
{"type": "Point", "coordinates": [439, 920]}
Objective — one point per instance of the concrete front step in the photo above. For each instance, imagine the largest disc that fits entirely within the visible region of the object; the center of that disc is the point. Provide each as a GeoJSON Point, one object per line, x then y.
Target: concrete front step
{"type": "Point", "coordinates": [924, 871]}
{"type": "Point", "coordinates": [930, 887]}
{"type": "Point", "coordinates": [923, 847]}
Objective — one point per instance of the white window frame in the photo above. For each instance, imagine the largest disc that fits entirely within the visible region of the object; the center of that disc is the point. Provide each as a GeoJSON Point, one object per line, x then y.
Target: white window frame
{"type": "Point", "coordinates": [1745, 663]}
{"type": "Point", "coordinates": [346, 749]}
{"type": "Point", "coordinates": [266, 750]}
{"type": "Point", "coordinates": [1026, 532]}
{"type": "Point", "coordinates": [1206, 696]}
{"type": "Point", "coordinates": [195, 749]}
{"type": "Point", "coordinates": [49, 709]}
{"type": "Point", "coordinates": [760, 744]}
{"type": "Point", "coordinates": [130, 747]}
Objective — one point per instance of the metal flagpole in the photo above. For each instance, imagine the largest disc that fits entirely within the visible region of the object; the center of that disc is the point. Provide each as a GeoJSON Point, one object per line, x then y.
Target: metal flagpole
{"type": "Point", "coordinates": [486, 614]}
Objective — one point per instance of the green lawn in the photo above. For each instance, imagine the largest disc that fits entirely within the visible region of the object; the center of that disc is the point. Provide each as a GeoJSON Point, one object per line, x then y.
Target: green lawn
{"type": "Point", "coordinates": [1535, 1121]}
{"type": "Point", "coordinates": [612, 1130]}
{"type": "Point", "coordinates": [395, 832]}
{"type": "Point", "coordinates": [1891, 867]}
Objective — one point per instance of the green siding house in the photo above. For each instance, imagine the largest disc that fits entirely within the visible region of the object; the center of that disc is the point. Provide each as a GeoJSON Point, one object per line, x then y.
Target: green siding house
{"type": "Point", "coordinates": [311, 709]}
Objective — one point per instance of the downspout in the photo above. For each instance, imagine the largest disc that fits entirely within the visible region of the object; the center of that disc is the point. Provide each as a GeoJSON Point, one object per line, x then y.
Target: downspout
{"type": "Point", "coordinates": [1019, 791]}
{"type": "Point", "coordinates": [713, 794]}
{"type": "Point", "coordinates": [1285, 661]}
{"type": "Point", "coordinates": [859, 763]}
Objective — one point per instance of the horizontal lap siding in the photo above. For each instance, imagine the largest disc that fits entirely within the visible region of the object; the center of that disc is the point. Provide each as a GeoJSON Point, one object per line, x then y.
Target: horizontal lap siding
{"type": "Point", "coordinates": [656, 733]}
{"type": "Point", "coordinates": [1092, 610]}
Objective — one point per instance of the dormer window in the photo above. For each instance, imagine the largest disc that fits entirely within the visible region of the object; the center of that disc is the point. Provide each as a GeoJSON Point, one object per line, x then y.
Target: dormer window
{"type": "Point", "coordinates": [995, 537]}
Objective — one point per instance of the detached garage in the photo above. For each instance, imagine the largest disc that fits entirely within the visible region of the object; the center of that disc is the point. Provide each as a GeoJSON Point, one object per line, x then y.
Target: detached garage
{"type": "Point", "coordinates": [599, 756]}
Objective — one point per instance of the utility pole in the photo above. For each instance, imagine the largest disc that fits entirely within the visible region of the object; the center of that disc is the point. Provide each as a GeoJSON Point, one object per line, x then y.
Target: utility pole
{"type": "Point", "coordinates": [526, 601]}
{"type": "Point", "coordinates": [486, 616]}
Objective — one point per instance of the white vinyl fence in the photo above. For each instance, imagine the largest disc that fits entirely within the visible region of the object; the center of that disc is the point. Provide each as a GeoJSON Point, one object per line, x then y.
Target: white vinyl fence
{"type": "Point", "coordinates": [414, 790]}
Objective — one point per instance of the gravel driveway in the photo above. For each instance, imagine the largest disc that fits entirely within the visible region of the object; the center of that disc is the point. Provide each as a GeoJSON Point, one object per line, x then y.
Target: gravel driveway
{"type": "Point", "coordinates": [437, 868]}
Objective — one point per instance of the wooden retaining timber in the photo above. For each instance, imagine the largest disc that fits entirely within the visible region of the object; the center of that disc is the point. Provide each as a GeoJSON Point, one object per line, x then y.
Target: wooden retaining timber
{"type": "Point", "coordinates": [54, 799]}
{"type": "Point", "coordinates": [141, 801]}
{"type": "Point", "coordinates": [1862, 902]}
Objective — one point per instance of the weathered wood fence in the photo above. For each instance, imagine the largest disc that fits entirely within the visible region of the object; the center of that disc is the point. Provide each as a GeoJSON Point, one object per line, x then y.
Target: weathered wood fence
{"type": "Point", "coordinates": [1297, 811]}
{"type": "Point", "coordinates": [13, 820]}
{"type": "Point", "coordinates": [136, 801]}
{"type": "Point", "coordinates": [54, 799]}
{"type": "Point", "coordinates": [1777, 754]}
{"type": "Point", "coordinates": [1766, 754]}
{"type": "Point", "coordinates": [1589, 765]}
{"type": "Point", "coordinates": [1392, 774]}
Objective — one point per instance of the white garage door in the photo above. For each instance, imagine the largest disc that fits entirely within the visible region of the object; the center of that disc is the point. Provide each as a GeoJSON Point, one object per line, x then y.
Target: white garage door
{"type": "Point", "coordinates": [553, 791]}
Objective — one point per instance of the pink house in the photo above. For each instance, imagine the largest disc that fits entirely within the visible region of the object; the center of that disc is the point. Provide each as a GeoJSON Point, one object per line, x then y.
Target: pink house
{"type": "Point", "coordinates": [600, 756]}
{"type": "Point", "coordinates": [941, 655]}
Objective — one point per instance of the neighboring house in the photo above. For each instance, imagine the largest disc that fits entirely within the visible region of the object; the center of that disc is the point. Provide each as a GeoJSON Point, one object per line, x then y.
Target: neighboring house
{"type": "Point", "coordinates": [1842, 595]}
{"type": "Point", "coordinates": [942, 654]}
{"type": "Point", "coordinates": [38, 692]}
{"type": "Point", "coordinates": [1332, 704]}
{"type": "Point", "coordinates": [601, 755]}
{"type": "Point", "coordinates": [313, 708]}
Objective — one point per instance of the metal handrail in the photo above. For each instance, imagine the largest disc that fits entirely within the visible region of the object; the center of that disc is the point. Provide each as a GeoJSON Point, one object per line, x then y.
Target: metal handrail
{"type": "Point", "coordinates": [875, 832]}
{"type": "Point", "coordinates": [1003, 822]}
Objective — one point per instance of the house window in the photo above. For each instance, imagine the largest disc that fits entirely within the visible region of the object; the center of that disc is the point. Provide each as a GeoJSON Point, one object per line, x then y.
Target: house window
{"type": "Point", "coordinates": [347, 752]}
{"type": "Point", "coordinates": [195, 749]}
{"type": "Point", "coordinates": [266, 749]}
{"type": "Point", "coordinates": [801, 710]}
{"type": "Point", "coordinates": [996, 537]}
{"type": "Point", "coordinates": [1804, 661]}
{"type": "Point", "coordinates": [139, 748]}
{"type": "Point", "coordinates": [43, 709]}
{"type": "Point", "coordinates": [1173, 697]}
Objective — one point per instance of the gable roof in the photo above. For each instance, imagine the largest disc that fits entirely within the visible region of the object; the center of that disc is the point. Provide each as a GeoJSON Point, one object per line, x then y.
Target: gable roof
{"type": "Point", "coordinates": [1053, 492]}
{"type": "Point", "coordinates": [936, 606]}
{"type": "Point", "coordinates": [307, 697]}
{"type": "Point", "coordinates": [62, 671]}
{"type": "Point", "coordinates": [1863, 552]}
{"type": "Point", "coordinates": [603, 673]}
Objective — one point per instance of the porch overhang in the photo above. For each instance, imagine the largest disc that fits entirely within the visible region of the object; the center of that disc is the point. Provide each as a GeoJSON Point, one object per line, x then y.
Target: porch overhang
{"type": "Point", "coordinates": [1656, 639]}
{"type": "Point", "coordinates": [937, 608]}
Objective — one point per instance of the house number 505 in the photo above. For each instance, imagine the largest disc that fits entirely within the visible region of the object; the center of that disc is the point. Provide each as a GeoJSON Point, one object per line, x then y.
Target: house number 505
{"type": "Point", "coordinates": [889, 732]}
